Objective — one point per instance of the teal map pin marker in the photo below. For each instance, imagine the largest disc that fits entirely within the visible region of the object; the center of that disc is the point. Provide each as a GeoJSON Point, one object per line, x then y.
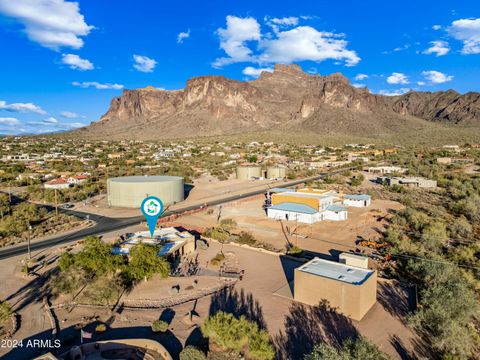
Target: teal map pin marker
{"type": "Point", "coordinates": [152, 208]}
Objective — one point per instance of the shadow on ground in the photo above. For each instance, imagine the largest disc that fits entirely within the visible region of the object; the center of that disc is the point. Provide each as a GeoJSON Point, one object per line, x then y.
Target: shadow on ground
{"type": "Point", "coordinates": [307, 326]}
{"type": "Point", "coordinates": [237, 303]}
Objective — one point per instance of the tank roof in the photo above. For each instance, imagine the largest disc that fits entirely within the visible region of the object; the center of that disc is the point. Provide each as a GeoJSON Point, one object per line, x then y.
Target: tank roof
{"type": "Point", "coordinates": [137, 179]}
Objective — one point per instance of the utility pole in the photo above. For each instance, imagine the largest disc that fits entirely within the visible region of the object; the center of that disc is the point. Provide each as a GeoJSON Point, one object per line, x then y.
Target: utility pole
{"type": "Point", "coordinates": [56, 203]}
{"type": "Point", "coordinates": [29, 239]}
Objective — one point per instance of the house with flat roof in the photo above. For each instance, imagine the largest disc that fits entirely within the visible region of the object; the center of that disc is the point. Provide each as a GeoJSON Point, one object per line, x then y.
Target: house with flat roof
{"type": "Point", "coordinates": [410, 181]}
{"type": "Point", "coordinates": [357, 200]}
{"type": "Point", "coordinates": [306, 206]}
{"type": "Point", "coordinates": [170, 241]}
{"type": "Point", "coordinates": [351, 290]}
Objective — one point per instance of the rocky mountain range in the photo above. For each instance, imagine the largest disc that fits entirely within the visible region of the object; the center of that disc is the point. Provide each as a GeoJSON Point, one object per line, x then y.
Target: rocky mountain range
{"type": "Point", "coordinates": [288, 99]}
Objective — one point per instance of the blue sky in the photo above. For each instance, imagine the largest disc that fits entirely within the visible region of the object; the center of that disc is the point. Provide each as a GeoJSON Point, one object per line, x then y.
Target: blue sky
{"type": "Point", "coordinates": [63, 61]}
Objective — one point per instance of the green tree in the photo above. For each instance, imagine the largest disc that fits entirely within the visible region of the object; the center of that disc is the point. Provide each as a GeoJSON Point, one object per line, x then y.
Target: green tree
{"type": "Point", "coordinates": [434, 236]}
{"type": "Point", "coordinates": [352, 349]}
{"type": "Point", "coordinates": [159, 326]}
{"type": "Point", "coordinates": [448, 305]}
{"type": "Point", "coordinates": [232, 333]}
{"type": "Point", "coordinates": [5, 207]}
{"type": "Point", "coordinates": [144, 262]}
{"type": "Point", "coordinates": [5, 310]}
{"type": "Point", "coordinates": [26, 212]}
{"type": "Point", "coordinates": [96, 258]}
{"type": "Point", "coordinates": [192, 353]}
{"type": "Point", "coordinates": [66, 261]}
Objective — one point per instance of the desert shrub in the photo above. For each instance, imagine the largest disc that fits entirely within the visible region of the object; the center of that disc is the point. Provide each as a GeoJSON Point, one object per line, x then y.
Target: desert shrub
{"type": "Point", "coordinates": [448, 305]}
{"type": "Point", "coordinates": [5, 310]}
{"type": "Point", "coordinates": [357, 181]}
{"type": "Point", "coordinates": [217, 259]}
{"type": "Point", "coordinates": [103, 291]}
{"type": "Point", "coordinates": [218, 234]}
{"type": "Point", "coordinates": [228, 224]}
{"type": "Point", "coordinates": [192, 353]}
{"type": "Point", "coordinates": [294, 251]}
{"type": "Point", "coordinates": [351, 349]}
{"type": "Point", "coordinates": [66, 282]}
{"type": "Point", "coordinates": [460, 227]}
{"type": "Point", "coordinates": [246, 238]}
{"type": "Point", "coordinates": [231, 333]}
{"type": "Point", "coordinates": [434, 236]}
{"type": "Point", "coordinates": [259, 346]}
{"type": "Point", "coordinates": [159, 326]}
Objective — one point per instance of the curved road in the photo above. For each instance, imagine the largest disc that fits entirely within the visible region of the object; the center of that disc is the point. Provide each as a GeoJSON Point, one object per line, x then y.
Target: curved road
{"type": "Point", "coordinates": [105, 224]}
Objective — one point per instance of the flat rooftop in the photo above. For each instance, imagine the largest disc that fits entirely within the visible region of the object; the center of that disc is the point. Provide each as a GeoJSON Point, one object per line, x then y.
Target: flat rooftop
{"type": "Point", "coordinates": [305, 195]}
{"type": "Point", "coordinates": [336, 271]}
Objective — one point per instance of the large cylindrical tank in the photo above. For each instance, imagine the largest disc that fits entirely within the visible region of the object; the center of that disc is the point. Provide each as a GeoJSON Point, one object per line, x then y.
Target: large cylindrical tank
{"type": "Point", "coordinates": [129, 191]}
{"type": "Point", "coordinates": [276, 172]}
{"type": "Point", "coordinates": [245, 172]}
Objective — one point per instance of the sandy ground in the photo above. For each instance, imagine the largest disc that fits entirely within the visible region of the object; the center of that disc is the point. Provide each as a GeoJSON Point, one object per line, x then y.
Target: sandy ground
{"type": "Point", "coordinates": [255, 296]}
{"type": "Point", "coordinates": [323, 237]}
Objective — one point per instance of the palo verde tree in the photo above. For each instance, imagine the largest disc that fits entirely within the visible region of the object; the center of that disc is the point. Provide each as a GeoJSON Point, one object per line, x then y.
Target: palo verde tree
{"type": "Point", "coordinates": [144, 262]}
{"type": "Point", "coordinates": [96, 258]}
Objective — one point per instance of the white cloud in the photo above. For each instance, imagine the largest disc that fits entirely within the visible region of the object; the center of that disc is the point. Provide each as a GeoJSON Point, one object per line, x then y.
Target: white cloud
{"type": "Point", "coordinates": [436, 27]}
{"type": "Point", "coordinates": [22, 107]}
{"type": "Point", "coordinates": [76, 62]}
{"type": "Point", "coordinates": [69, 115]}
{"type": "Point", "coordinates": [397, 78]}
{"type": "Point", "coordinates": [361, 77]}
{"type": "Point", "coordinates": [359, 86]}
{"type": "Point", "coordinates": [255, 72]}
{"type": "Point", "coordinates": [50, 120]}
{"type": "Point", "coordinates": [420, 83]}
{"type": "Point", "coordinates": [298, 44]}
{"type": "Point", "coordinates": [144, 63]}
{"type": "Point", "coordinates": [50, 23]}
{"type": "Point", "coordinates": [277, 23]}
{"type": "Point", "coordinates": [10, 121]}
{"type": "Point", "coordinates": [306, 43]}
{"type": "Point", "coordinates": [182, 36]}
{"type": "Point", "coordinates": [234, 37]}
{"type": "Point", "coordinates": [97, 85]}
{"type": "Point", "coordinates": [394, 92]}
{"type": "Point", "coordinates": [467, 31]}
{"type": "Point", "coordinates": [439, 48]}
{"type": "Point", "coordinates": [285, 21]}
{"type": "Point", "coordinates": [436, 77]}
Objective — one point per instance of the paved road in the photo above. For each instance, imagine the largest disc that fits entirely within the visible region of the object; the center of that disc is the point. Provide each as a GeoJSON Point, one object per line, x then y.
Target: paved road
{"type": "Point", "coordinates": [105, 224]}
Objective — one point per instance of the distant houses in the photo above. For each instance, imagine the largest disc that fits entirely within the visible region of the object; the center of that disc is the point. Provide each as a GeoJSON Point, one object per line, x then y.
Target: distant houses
{"type": "Point", "coordinates": [411, 181]}
{"type": "Point", "coordinates": [65, 182]}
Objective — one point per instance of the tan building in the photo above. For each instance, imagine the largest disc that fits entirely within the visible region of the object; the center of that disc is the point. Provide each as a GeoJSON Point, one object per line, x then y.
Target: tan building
{"type": "Point", "coordinates": [351, 290]}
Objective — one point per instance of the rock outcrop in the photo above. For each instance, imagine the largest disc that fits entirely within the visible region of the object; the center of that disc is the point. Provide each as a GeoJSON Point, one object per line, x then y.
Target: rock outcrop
{"type": "Point", "coordinates": [288, 98]}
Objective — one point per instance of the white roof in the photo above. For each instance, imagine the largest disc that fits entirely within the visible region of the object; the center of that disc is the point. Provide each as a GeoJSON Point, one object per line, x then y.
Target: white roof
{"type": "Point", "coordinates": [336, 271]}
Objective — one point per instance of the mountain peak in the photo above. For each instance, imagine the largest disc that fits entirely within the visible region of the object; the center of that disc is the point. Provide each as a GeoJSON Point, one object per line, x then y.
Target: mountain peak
{"type": "Point", "coordinates": [292, 69]}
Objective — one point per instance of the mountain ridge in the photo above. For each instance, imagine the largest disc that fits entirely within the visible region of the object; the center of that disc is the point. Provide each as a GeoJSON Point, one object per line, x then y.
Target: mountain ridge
{"type": "Point", "coordinates": [286, 99]}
